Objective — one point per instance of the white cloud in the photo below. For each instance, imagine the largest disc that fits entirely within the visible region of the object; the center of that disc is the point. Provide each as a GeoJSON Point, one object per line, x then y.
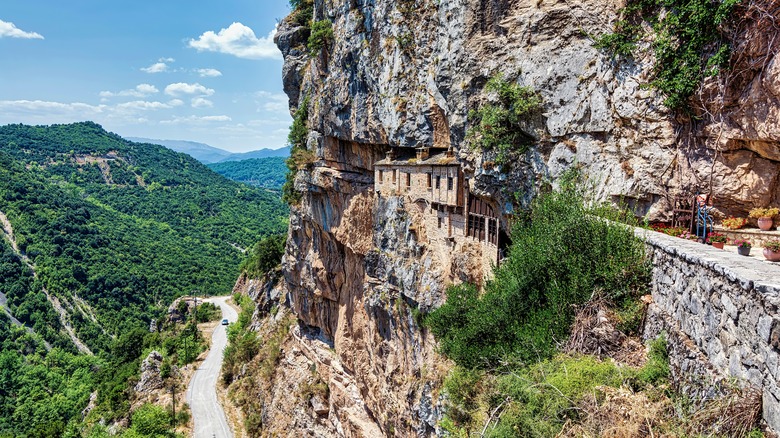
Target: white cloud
{"type": "Point", "coordinates": [142, 105]}
{"type": "Point", "coordinates": [140, 90]}
{"type": "Point", "coordinates": [238, 40]}
{"type": "Point", "coordinates": [200, 102]}
{"type": "Point", "coordinates": [181, 88]}
{"type": "Point", "coordinates": [272, 102]}
{"type": "Point", "coordinates": [209, 72]}
{"type": "Point", "coordinates": [8, 29]}
{"type": "Point", "coordinates": [166, 60]}
{"type": "Point", "coordinates": [175, 102]}
{"type": "Point", "coordinates": [157, 67]}
{"type": "Point", "coordinates": [195, 120]}
{"type": "Point", "coordinates": [49, 108]}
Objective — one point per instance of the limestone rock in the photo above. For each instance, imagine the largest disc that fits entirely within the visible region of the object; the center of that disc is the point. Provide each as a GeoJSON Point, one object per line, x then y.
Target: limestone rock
{"type": "Point", "coordinates": [358, 266]}
{"type": "Point", "coordinates": [150, 379]}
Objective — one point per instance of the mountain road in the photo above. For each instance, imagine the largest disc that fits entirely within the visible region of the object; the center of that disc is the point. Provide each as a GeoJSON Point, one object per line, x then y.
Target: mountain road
{"type": "Point", "coordinates": [207, 413]}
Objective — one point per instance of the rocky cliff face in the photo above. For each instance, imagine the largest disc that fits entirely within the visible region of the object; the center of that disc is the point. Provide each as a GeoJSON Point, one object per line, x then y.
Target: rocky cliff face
{"type": "Point", "coordinates": [405, 73]}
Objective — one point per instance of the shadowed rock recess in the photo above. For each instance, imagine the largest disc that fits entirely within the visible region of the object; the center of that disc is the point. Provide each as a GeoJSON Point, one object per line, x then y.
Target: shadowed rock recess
{"type": "Point", "coordinates": [372, 246]}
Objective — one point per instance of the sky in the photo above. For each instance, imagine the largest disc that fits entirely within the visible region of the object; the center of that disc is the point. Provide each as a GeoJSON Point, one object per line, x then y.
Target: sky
{"type": "Point", "coordinates": [204, 71]}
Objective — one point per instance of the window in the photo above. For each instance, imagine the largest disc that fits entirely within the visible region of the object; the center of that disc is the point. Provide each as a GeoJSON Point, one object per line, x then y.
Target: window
{"type": "Point", "coordinates": [381, 176]}
{"type": "Point", "coordinates": [394, 176]}
{"type": "Point", "coordinates": [439, 223]}
{"type": "Point", "coordinates": [449, 183]}
{"type": "Point", "coordinates": [492, 231]}
{"type": "Point", "coordinates": [438, 181]}
{"type": "Point", "coordinates": [408, 179]}
{"type": "Point", "coordinates": [429, 180]}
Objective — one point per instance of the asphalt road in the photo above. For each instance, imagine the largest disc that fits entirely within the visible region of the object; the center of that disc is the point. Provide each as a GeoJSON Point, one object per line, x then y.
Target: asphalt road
{"type": "Point", "coordinates": [210, 420]}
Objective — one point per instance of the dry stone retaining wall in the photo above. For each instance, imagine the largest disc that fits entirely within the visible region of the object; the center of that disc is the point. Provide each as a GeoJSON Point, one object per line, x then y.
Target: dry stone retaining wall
{"type": "Point", "coordinates": [721, 313]}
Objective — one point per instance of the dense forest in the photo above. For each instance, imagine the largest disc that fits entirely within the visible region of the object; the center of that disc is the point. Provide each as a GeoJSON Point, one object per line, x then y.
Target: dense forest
{"type": "Point", "coordinates": [260, 172]}
{"type": "Point", "coordinates": [112, 231]}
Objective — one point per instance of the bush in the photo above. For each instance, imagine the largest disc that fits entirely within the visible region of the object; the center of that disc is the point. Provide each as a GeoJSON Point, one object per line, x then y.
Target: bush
{"type": "Point", "coordinates": [265, 256]}
{"type": "Point", "coordinates": [207, 312]}
{"type": "Point", "coordinates": [497, 126]}
{"type": "Point", "coordinates": [321, 36]}
{"type": "Point", "coordinates": [151, 421]}
{"type": "Point", "coordinates": [297, 138]}
{"type": "Point", "coordinates": [303, 11]}
{"type": "Point", "coordinates": [559, 257]}
{"type": "Point", "coordinates": [688, 43]}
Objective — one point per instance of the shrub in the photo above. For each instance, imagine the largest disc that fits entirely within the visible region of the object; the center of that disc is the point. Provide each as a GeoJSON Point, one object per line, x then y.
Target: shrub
{"type": "Point", "coordinates": [297, 138]}
{"type": "Point", "coordinates": [688, 42]}
{"type": "Point", "coordinates": [303, 11]}
{"type": "Point", "coordinates": [265, 256]}
{"type": "Point", "coordinates": [560, 255]}
{"type": "Point", "coordinates": [321, 36]}
{"type": "Point", "coordinates": [150, 420]}
{"type": "Point", "coordinates": [498, 126]}
{"type": "Point", "coordinates": [207, 312]}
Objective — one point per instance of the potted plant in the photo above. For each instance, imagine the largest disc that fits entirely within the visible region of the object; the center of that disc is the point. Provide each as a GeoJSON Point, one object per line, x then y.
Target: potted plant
{"type": "Point", "coordinates": [772, 250]}
{"type": "Point", "coordinates": [764, 216]}
{"type": "Point", "coordinates": [716, 239]}
{"type": "Point", "coordinates": [734, 223]}
{"type": "Point", "coordinates": [743, 246]}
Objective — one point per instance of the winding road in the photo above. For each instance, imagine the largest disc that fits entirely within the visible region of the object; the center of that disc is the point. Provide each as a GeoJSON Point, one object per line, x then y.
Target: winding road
{"type": "Point", "coordinates": [209, 417]}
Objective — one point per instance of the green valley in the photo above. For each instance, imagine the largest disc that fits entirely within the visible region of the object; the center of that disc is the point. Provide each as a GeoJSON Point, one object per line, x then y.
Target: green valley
{"type": "Point", "coordinates": [110, 231]}
{"type": "Point", "coordinates": [260, 172]}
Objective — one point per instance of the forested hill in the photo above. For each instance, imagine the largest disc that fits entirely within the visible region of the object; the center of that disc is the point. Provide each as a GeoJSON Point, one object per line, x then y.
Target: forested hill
{"type": "Point", "coordinates": [267, 172]}
{"type": "Point", "coordinates": [117, 229]}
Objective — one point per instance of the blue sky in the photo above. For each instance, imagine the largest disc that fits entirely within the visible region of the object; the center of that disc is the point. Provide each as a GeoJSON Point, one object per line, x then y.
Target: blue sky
{"type": "Point", "coordinates": [203, 71]}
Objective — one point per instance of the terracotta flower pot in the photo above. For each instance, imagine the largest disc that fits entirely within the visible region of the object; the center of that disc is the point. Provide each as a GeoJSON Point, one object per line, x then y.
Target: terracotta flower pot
{"type": "Point", "coordinates": [743, 250]}
{"type": "Point", "coordinates": [771, 255]}
{"type": "Point", "coordinates": [765, 223]}
{"type": "Point", "coordinates": [718, 245]}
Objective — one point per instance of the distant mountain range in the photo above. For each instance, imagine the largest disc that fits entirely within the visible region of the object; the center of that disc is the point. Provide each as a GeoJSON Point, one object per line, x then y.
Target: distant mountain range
{"type": "Point", "coordinates": [209, 154]}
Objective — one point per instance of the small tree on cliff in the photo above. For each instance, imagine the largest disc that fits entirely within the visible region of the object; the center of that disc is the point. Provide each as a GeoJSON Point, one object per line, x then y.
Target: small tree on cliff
{"type": "Point", "coordinates": [300, 156]}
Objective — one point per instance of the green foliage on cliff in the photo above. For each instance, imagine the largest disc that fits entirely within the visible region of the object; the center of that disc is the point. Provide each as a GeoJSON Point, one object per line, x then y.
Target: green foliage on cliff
{"type": "Point", "coordinates": [265, 256]}
{"type": "Point", "coordinates": [498, 126]}
{"type": "Point", "coordinates": [259, 172]}
{"type": "Point", "coordinates": [561, 256]}
{"type": "Point", "coordinates": [300, 156]}
{"type": "Point", "coordinates": [321, 36]}
{"type": "Point", "coordinates": [687, 41]}
{"type": "Point", "coordinates": [303, 12]}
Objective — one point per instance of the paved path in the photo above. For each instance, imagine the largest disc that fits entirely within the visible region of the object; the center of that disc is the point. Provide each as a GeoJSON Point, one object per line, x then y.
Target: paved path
{"type": "Point", "coordinates": [210, 420]}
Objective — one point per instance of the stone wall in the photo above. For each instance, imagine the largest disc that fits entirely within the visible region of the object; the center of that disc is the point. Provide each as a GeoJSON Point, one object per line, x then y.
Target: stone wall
{"type": "Point", "coordinates": [721, 314]}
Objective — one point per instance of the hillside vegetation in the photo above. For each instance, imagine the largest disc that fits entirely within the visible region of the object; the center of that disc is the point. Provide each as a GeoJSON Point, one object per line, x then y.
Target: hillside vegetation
{"type": "Point", "coordinates": [268, 172]}
{"type": "Point", "coordinates": [113, 230]}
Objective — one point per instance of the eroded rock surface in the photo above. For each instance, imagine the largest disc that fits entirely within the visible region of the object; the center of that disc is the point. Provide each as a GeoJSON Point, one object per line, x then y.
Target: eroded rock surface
{"type": "Point", "coordinates": [405, 73]}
